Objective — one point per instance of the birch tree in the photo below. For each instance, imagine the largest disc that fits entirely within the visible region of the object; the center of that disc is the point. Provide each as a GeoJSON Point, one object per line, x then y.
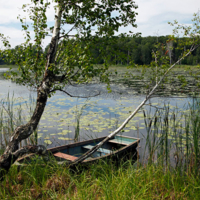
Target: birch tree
{"type": "Point", "coordinates": [63, 65]}
{"type": "Point", "coordinates": [66, 62]}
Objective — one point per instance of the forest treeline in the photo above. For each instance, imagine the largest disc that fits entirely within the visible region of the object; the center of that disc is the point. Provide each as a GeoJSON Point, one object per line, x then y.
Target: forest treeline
{"type": "Point", "coordinates": [136, 50]}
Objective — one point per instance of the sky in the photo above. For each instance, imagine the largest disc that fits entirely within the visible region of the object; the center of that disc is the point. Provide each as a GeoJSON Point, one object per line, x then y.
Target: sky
{"type": "Point", "coordinates": [152, 19]}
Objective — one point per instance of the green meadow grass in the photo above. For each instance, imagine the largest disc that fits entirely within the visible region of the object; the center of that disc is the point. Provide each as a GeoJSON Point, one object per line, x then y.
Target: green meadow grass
{"type": "Point", "coordinates": [101, 181]}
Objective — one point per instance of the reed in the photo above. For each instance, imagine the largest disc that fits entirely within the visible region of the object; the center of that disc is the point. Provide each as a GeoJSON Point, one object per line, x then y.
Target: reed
{"type": "Point", "coordinates": [13, 114]}
{"type": "Point", "coordinates": [173, 137]}
{"type": "Point", "coordinates": [78, 114]}
{"type": "Point", "coordinates": [194, 119]}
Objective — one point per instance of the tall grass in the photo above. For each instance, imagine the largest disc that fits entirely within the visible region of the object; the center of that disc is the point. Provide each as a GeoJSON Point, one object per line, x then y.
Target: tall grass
{"type": "Point", "coordinates": [171, 170]}
{"type": "Point", "coordinates": [99, 181]}
{"type": "Point", "coordinates": [12, 117]}
{"type": "Point", "coordinates": [173, 137]}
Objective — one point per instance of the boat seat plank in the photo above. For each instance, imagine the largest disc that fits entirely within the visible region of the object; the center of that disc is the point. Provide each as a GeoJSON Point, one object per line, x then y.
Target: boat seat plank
{"type": "Point", "coordinates": [102, 150]}
{"type": "Point", "coordinates": [65, 156]}
{"type": "Point", "coordinates": [119, 141]}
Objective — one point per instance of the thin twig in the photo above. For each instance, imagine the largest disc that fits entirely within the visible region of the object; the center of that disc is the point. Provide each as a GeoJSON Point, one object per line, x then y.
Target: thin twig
{"type": "Point", "coordinates": [68, 32]}
{"type": "Point", "coordinates": [73, 95]}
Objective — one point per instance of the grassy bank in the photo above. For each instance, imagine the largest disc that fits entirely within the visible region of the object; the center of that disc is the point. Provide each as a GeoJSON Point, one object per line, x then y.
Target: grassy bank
{"type": "Point", "coordinates": [123, 66]}
{"type": "Point", "coordinates": [101, 181]}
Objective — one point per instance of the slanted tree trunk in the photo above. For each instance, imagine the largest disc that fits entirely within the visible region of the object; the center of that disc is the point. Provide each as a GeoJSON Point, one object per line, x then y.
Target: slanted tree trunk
{"type": "Point", "coordinates": [12, 151]}
{"type": "Point", "coordinates": [22, 132]}
{"type": "Point", "coordinates": [96, 147]}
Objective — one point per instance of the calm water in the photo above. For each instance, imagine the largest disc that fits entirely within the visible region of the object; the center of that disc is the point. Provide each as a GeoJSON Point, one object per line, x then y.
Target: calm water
{"type": "Point", "coordinates": [96, 116]}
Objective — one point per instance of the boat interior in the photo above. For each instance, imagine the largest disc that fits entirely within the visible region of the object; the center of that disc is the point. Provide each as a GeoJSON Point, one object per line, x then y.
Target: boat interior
{"type": "Point", "coordinates": [73, 152]}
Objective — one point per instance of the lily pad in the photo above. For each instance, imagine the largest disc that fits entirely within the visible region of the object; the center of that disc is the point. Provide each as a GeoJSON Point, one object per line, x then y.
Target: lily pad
{"type": "Point", "coordinates": [48, 141]}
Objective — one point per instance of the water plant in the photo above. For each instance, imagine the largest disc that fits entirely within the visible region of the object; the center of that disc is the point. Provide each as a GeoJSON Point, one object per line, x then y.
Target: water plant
{"type": "Point", "coordinates": [78, 114]}
{"type": "Point", "coordinates": [13, 112]}
{"type": "Point", "coordinates": [173, 137]}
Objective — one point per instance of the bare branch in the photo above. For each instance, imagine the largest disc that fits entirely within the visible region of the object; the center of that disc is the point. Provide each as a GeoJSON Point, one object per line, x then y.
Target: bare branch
{"type": "Point", "coordinates": [66, 35]}
{"type": "Point", "coordinates": [73, 95]}
{"type": "Point", "coordinates": [40, 149]}
{"type": "Point", "coordinates": [96, 147]}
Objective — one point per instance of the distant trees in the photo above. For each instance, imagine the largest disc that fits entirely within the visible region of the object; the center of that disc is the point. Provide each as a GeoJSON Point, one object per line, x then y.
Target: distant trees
{"type": "Point", "coordinates": [132, 49]}
{"type": "Point", "coordinates": [138, 50]}
{"type": "Point", "coordinates": [2, 62]}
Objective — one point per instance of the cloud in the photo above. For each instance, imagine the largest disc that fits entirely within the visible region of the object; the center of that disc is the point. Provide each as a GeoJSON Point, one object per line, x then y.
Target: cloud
{"type": "Point", "coordinates": [11, 26]}
{"type": "Point", "coordinates": [15, 35]}
{"type": "Point", "coordinates": [151, 8]}
{"type": "Point", "coordinates": [152, 17]}
{"type": "Point", "coordinates": [159, 24]}
{"type": "Point", "coordinates": [10, 9]}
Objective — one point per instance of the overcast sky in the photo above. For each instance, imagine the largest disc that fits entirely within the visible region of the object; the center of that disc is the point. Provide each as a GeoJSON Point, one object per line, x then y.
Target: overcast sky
{"type": "Point", "coordinates": [152, 17]}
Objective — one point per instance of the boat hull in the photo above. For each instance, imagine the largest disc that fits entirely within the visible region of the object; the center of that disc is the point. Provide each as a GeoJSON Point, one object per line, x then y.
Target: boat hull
{"type": "Point", "coordinates": [116, 148]}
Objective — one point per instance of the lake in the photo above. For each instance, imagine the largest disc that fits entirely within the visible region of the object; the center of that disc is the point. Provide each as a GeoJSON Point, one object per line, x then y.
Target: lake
{"type": "Point", "coordinates": [89, 117]}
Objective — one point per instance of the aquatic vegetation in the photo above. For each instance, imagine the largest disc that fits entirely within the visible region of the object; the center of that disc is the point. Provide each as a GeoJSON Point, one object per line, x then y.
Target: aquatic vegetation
{"type": "Point", "coordinates": [13, 112]}
{"type": "Point", "coordinates": [165, 131]}
{"type": "Point", "coordinates": [173, 137]}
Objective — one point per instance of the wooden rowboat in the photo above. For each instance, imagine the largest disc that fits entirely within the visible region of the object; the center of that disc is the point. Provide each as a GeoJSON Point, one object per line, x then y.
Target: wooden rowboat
{"type": "Point", "coordinates": [116, 147]}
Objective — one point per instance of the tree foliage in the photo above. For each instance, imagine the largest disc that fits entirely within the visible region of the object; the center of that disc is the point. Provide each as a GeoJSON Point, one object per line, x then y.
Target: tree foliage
{"type": "Point", "coordinates": [73, 58]}
{"type": "Point", "coordinates": [66, 60]}
{"type": "Point", "coordinates": [125, 50]}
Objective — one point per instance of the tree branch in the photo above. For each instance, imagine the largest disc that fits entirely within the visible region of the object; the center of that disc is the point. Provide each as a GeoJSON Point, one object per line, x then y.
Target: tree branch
{"type": "Point", "coordinates": [95, 148]}
{"type": "Point", "coordinates": [73, 95]}
{"type": "Point", "coordinates": [64, 77]}
{"type": "Point", "coordinates": [66, 35]}
{"type": "Point", "coordinates": [60, 78]}
{"type": "Point", "coordinates": [39, 149]}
